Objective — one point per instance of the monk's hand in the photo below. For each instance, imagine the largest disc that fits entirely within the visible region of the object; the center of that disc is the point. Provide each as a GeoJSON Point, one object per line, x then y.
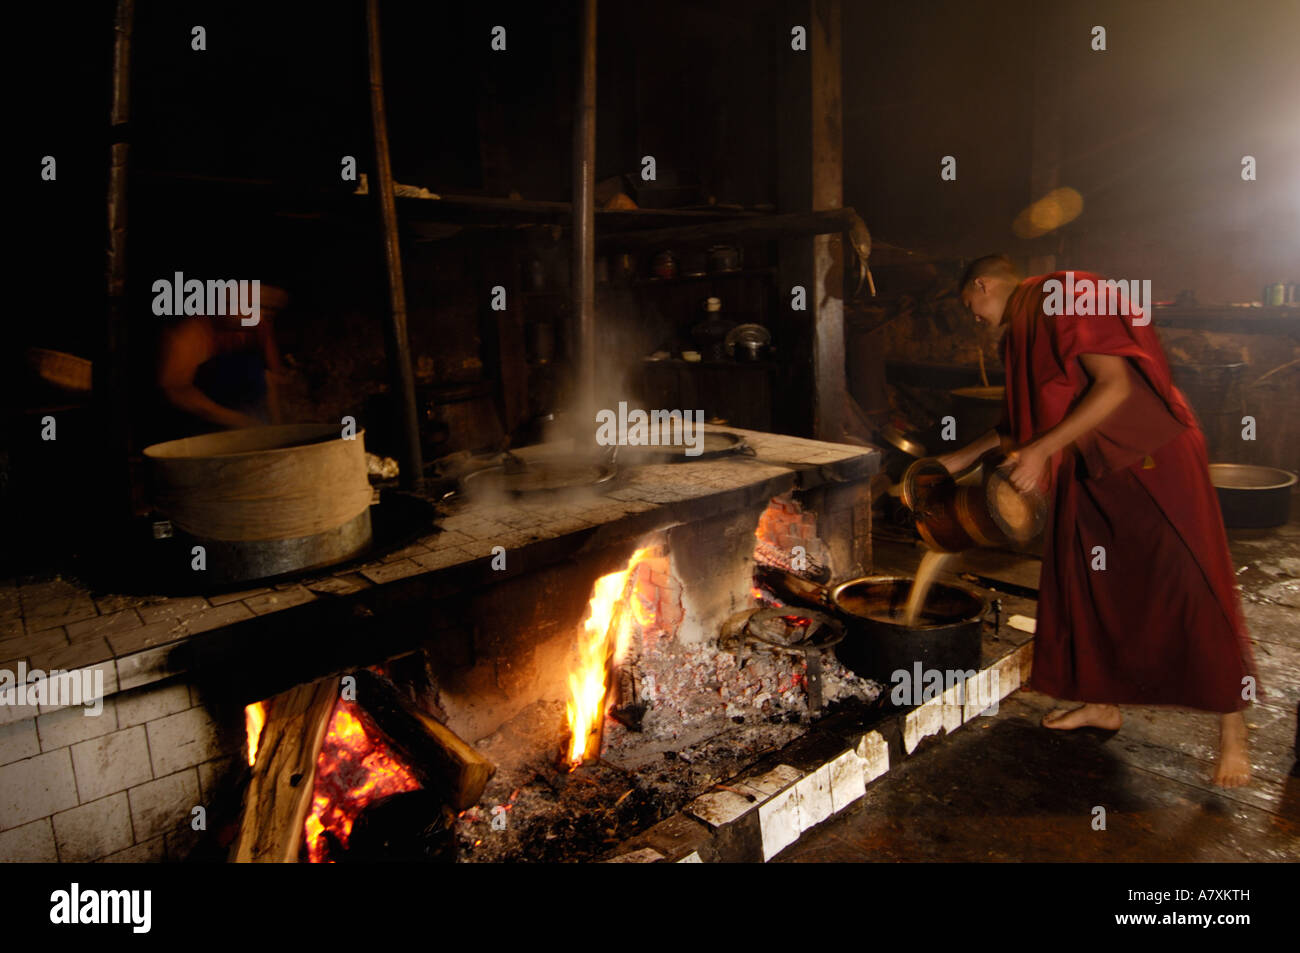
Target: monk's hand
{"type": "Point", "coordinates": [951, 462]}
{"type": "Point", "coordinates": [1028, 466]}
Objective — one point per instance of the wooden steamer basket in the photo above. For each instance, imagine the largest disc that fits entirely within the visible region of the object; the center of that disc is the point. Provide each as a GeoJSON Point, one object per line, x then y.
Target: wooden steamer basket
{"type": "Point", "coordinates": [952, 517]}
{"type": "Point", "coordinates": [265, 501]}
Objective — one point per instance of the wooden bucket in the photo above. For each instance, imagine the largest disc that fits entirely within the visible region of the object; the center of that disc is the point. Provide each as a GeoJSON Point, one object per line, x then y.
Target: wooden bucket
{"type": "Point", "coordinates": [261, 483]}
{"type": "Point", "coordinates": [951, 517]}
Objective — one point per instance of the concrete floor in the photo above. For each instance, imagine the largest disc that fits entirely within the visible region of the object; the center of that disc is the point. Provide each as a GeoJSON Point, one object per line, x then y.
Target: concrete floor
{"type": "Point", "coordinates": [1005, 789]}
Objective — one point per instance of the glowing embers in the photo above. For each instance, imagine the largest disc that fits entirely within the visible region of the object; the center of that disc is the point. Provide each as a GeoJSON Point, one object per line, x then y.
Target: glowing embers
{"type": "Point", "coordinates": [355, 768]}
{"type": "Point", "coordinates": [602, 644]}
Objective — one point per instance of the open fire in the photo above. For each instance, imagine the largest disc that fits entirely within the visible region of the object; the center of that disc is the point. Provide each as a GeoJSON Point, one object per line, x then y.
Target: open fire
{"type": "Point", "coordinates": [603, 644]}
{"type": "Point", "coordinates": [656, 707]}
{"type": "Point", "coordinates": [254, 720]}
{"type": "Point", "coordinates": [353, 771]}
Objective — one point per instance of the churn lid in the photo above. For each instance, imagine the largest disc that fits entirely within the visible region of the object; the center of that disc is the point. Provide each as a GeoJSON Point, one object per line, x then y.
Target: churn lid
{"type": "Point", "coordinates": [1021, 516]}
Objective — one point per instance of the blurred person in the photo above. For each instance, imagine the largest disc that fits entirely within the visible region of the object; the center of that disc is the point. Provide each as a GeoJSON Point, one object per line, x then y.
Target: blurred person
{"type": "Point", "coordinates": [1092, 416]}
{"type": "Point", "coordinates": [215, 373]}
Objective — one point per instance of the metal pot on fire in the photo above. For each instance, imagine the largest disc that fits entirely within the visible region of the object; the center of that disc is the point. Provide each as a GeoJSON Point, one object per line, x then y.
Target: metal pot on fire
{"type": "Point", "coordinates": [946, 638]}
{"type": "Point", "coordinates": [946, 635]}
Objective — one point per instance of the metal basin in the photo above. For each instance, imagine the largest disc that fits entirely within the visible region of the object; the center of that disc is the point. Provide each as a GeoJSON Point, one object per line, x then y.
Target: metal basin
{"type": "Point", "coordinates": [1252, 497]}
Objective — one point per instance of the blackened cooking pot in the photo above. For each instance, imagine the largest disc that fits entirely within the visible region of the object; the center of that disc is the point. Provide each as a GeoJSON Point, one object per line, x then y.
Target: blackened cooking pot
{"type": "Point", "coordinates": [878, 644]}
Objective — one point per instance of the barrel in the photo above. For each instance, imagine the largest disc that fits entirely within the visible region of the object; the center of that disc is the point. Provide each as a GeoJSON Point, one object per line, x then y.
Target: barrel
{"type": "Point", "coordinates": [1217, 393]}
{"type": "Point", "coordinates": [282, 482]}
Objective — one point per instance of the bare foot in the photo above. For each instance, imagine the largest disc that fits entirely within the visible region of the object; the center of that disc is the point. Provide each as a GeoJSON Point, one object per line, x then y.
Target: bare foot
{"type": "Point", "coordinates": [1088, 716]}
{"type": "Point", "coordinates": [1233, 769]}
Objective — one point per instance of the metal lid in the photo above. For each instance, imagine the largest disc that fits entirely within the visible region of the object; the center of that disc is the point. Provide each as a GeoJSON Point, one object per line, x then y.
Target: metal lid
{"type": "Point", "coordinates": [895, 437]}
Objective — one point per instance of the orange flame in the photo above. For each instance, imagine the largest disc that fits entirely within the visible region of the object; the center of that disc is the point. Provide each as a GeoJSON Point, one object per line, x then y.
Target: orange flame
{"type": "Point", "coordinates": [254, 719]}
{"type": "Point", "coordinates": [588, 683]}
{"type": "Point", "coordinates": [353, 770]}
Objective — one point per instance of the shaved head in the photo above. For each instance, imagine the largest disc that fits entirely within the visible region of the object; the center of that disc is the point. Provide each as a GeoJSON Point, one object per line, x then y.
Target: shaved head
{"type": "Point", "coordinates": [987, 286]}
{"type": "Point", "coordinates": [990, 266]}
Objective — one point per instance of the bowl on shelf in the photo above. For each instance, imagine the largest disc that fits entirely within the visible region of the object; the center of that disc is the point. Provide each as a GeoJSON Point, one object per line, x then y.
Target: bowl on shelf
{"type": "Point", "coordinates": [748, 342]}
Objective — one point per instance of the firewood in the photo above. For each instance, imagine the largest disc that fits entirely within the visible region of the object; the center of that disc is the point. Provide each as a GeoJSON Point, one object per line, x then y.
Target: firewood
{"type": "Point", "coordinates": [284, 776]}
{"type": "Point", "coordinates": [441, 761]}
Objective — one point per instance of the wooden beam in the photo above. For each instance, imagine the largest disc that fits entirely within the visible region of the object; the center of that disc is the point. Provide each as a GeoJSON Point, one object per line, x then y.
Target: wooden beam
{"type": "Point", "coordinates": [1048, 132]}
{"type": "Point", "coordinates": [399, 348]}
{"type": "Point", "coordinates": [811, 165]}
{"type": "Point", "coordinates": [826, 140]}
{"type": "Point", "coordinates": [110, 364]}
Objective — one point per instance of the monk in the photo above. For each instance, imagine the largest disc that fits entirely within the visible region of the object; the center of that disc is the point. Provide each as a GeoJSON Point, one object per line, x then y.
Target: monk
{"type": "Point", "coordinates": [1137, 600]}
{"type": "Point", "coordinates": [216, 373]}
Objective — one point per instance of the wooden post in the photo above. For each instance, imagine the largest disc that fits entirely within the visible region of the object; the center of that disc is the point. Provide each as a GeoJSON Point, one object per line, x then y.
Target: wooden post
{"type": "Point", "coordinates": [811, 176]}
{"type": "Point", "coordinates": [110, 384]}
{"type": "Point", "coordinates": [1047, 123]}
{"type": "Point", "coordinates": [399, 349]}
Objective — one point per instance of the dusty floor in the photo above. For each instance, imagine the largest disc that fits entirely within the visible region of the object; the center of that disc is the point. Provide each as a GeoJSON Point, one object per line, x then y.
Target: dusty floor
{"type": "Point", "coordinates": [1005, 789]}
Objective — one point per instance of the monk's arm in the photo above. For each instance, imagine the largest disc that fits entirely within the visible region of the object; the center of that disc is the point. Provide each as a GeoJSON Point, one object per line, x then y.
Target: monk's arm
{"type": "Point", "coordinates": [1109, 388]}
{"type": "Point", "coordinates": [959, 460]}
{"type": "Point", "coordinates": [181, 354]}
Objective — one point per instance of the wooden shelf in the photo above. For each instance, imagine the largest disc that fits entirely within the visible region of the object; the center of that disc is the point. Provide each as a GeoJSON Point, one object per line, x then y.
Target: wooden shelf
{"type": "Point", "coordinates": [1230, 320]}
{"type": "Point", "coordinates": [731, 365]}
{"type": "Point", "coordinates": [469, 210]}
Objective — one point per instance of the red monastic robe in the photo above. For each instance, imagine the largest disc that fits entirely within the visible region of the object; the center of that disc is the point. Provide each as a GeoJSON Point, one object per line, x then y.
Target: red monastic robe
{"type": "Point", "coordinates": [1161, 624]}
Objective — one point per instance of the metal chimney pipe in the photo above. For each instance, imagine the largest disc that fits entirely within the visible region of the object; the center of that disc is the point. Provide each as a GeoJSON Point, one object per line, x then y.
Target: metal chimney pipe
{"type": "Point", "coordinates": [584, 226]}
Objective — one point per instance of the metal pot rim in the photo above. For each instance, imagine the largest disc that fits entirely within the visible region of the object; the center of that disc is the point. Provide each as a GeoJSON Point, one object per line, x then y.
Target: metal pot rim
{"type": "Point", "coordinates": [981, 601]}
{"type": "Point", "coordinates": [1288, 478]}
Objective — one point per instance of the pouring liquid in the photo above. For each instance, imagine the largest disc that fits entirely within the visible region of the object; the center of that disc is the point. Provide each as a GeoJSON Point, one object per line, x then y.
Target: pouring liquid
{"type": "Point", "coordinates": [932, 564]}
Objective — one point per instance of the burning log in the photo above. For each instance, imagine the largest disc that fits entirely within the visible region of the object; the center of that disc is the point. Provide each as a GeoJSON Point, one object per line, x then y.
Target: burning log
{"type": "Point", "coordinates": [611, 655]}
{"type": "Point", "coordinates": [590, 686]}
{"type": "Point", "coordinates": [441, 761]}
{"type": "Point", "coordinates": [280, 790]}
